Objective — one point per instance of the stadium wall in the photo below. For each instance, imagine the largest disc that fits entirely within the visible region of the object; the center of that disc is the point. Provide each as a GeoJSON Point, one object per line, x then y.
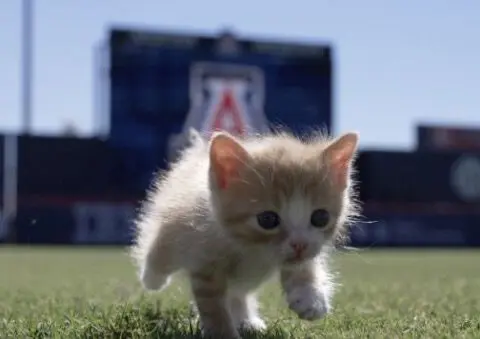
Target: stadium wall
{"type": "Point", "coordinates": [110, 223]}
{"type": "Point", "coordinates": [73, 191]}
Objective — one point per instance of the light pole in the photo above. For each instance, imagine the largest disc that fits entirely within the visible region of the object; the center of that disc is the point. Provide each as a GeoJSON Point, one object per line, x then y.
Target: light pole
{"type": "Point", "coordinates": [27, 64]}
{"type": "Point", "coordinates": [10, 142]}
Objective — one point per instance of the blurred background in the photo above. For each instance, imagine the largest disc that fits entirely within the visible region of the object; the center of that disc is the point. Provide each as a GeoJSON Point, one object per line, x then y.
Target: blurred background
{"type": "Point", "coordinates": [98, 96]}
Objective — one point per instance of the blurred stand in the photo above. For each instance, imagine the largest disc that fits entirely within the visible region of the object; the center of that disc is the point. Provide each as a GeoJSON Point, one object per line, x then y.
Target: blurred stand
{"type": "Point", "coordinates": [78, 194]}
{"type": "Point", "coordinates": [448, 138]}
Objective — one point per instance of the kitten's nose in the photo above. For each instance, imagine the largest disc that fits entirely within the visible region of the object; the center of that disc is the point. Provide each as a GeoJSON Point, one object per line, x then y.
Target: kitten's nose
{"type": "Point", "coordinates": [298, 246]}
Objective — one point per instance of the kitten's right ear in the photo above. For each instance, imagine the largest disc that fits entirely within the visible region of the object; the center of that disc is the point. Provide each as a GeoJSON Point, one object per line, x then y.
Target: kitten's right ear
{"type": "Point", "coordinates": [227, 157]}
{"type": "Point", "coordinates": [340, 156]}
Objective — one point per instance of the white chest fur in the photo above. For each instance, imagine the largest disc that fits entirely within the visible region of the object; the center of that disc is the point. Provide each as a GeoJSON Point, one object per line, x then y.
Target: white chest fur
{"type": "Point", "coordinates": [251, 269]}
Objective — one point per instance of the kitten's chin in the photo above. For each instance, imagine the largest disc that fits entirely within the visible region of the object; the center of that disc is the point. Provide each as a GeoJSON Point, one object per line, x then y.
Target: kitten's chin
{"type": "Point", "coordinates": [292, 261]}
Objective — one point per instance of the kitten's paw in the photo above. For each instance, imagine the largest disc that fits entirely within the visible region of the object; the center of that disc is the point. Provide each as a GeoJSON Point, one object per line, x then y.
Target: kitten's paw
{"type": "Point", "coordinates": [152, 280]}
{"type": "Point", "coordinates": [253, 324]}
{"type": "Point", "coordinates": [308, 302]}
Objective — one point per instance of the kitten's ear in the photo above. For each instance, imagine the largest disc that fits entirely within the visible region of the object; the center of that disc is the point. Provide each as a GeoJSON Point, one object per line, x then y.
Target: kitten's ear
{"type": "Point", "coordinates": [227, 157]}
{"type": "Point", "coordinates": [339, 156]}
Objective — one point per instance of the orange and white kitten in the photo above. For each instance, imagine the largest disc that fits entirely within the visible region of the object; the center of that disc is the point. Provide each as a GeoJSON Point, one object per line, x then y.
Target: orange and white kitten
{"type": "Point", "coordinates": [231, 212]}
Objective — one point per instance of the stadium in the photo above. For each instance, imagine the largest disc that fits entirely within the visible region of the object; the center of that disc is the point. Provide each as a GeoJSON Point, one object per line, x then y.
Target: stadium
{"type": "Point", "coordinates": [410, 268]}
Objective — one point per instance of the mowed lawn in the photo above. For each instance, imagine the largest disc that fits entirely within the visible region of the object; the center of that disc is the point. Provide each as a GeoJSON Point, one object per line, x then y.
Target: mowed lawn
{"type": "Point", "coordinates": [93, 293]}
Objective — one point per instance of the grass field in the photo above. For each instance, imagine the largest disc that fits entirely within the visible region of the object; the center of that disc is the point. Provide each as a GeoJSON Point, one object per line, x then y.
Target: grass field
{"type": "Point", "coordinates": [93, 293]}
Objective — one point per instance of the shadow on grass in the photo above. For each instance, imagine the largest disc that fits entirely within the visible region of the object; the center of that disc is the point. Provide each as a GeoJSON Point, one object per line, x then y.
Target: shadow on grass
{"type": "Point", "coordinates": [120, 321]}
{"type": "Point", "coordinates": [151, 322]}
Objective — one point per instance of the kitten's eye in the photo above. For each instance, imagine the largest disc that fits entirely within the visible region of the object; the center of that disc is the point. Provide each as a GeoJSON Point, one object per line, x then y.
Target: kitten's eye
{"type": "Point", "coordinates": [320, 218]}
{"type": "Point", "coordinates": [268, 220]}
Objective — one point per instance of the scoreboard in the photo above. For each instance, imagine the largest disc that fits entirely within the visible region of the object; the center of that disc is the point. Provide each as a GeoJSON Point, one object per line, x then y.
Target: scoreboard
{"type": "Point", "coordinates": [161, 84]}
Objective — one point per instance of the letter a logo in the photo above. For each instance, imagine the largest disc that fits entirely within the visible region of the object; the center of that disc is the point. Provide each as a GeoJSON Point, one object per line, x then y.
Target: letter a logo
{"type": "Point", "coordinates": [226, 111]}
{"type": "Point", "coordinates": [223, 97]}
{"type": "Point", "coordinates": [227, 117]}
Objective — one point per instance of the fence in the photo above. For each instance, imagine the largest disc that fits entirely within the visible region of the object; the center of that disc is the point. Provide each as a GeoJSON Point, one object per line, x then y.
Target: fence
{"type": "Point", "coordinates": [73, 191]}
{"type": "Point", "coordinates": [111, 223]}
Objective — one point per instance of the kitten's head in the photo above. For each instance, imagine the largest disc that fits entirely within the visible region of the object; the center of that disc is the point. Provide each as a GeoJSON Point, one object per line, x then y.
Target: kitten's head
{"type": "Point", "coordinates": [279, 191]}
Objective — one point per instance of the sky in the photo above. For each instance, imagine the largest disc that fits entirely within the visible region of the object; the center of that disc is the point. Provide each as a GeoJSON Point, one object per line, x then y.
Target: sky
{"type": "Point", "coordinates": [398, 63]}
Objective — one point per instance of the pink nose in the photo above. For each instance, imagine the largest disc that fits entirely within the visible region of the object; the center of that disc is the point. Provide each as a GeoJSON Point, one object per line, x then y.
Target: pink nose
{"type": "Point", "coordinates": [298, 246]}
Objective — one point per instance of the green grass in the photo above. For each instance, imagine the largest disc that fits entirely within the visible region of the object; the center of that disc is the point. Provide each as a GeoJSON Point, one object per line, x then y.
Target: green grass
{"type": "Point", "coordinates": [93, 293]}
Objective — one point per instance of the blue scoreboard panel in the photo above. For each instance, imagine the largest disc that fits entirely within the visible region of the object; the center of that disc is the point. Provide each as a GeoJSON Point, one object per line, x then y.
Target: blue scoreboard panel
{"type": "Point", "coordinates": [162, 84]}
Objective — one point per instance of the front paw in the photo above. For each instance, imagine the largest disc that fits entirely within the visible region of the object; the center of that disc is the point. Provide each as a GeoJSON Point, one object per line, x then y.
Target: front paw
{"type": "Point", "coordinates": [152, 280]}
{"type": "Point", "coordinates": [310, 303]}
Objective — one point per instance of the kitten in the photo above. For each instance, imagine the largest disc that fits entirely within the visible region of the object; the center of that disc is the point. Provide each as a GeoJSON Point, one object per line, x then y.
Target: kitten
{"type": "Point", "coordinates": [231, 212]}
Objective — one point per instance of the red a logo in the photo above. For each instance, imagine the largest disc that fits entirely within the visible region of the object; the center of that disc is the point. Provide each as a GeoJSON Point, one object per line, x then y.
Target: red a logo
{"type": "Point", "coordinates": [227, 116]}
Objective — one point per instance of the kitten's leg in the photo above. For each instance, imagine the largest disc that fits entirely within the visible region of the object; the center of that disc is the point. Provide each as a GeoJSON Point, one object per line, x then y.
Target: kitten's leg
{"type": "Point", "coordinates": [308, 289]}
{"type": "Point", "coordinates": [209, 291]}
{"type": "Point", "coordinates": [244, 311]}
{"type": "Point", "coordinates": [156, 268]}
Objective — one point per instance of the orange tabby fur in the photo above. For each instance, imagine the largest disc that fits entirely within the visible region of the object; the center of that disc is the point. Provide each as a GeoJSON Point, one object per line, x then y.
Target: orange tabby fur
{"type": "Point", "coordinates": [201, 217]}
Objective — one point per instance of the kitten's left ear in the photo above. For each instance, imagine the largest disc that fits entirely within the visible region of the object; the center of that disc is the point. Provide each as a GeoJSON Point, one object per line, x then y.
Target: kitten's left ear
{"type": "Point", "coordinates": [227, 158]}
{"type": "Point", "coordinates": [339, 156]}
